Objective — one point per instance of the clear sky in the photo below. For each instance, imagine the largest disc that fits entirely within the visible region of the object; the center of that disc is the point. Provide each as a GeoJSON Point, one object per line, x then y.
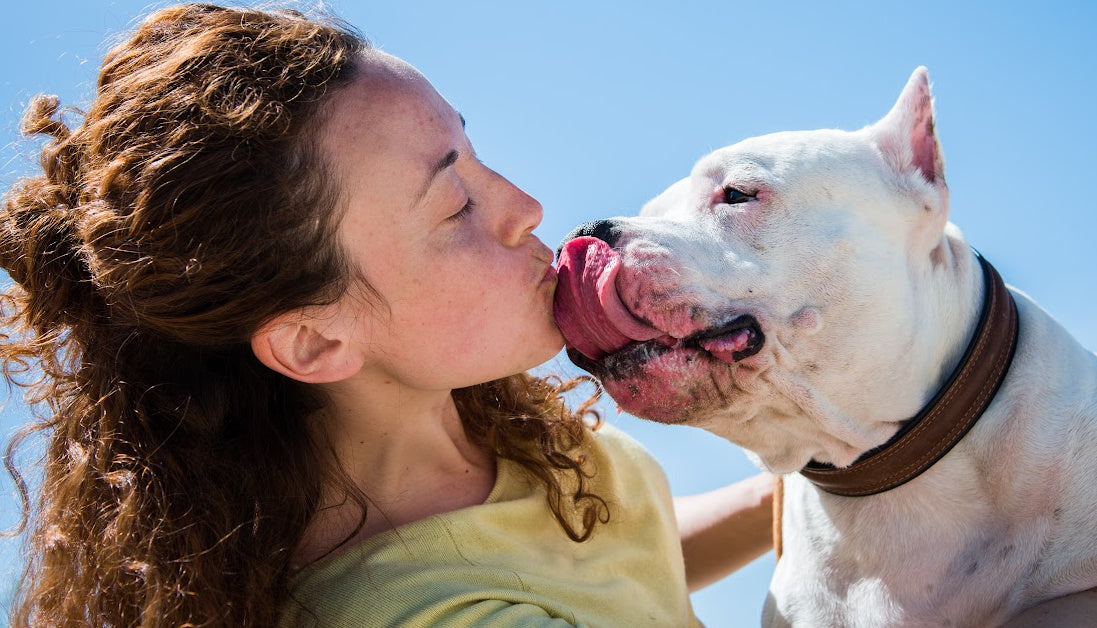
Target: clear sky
{"type": "Point", "coordinates": [594, 107]}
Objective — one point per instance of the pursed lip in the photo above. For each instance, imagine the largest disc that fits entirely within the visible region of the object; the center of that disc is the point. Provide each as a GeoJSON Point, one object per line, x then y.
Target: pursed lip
{"type": "Point", "coordinates": [550, 275]}
{"type": "Point", "coordinates": [543, 254]}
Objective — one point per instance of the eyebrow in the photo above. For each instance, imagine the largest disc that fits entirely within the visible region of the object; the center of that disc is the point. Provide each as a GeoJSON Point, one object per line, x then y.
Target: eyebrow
{"type": "Point", "coordinates": [445, 162]}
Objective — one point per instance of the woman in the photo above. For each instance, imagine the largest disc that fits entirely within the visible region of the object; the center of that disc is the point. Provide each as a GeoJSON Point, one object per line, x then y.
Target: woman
{"type": "Point", "coordinates": [280, 315]}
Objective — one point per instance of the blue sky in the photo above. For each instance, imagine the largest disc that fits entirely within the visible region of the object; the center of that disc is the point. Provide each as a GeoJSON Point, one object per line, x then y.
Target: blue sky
{"type": "Point", "coordinates": [594, 107]}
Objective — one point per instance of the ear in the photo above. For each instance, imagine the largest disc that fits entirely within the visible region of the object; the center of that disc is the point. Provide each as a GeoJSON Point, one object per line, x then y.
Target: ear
{"type": "Point", "coordinates": [907, 135]}
{"type": "Point", "coordinates": [308, 346]}
{"type": "Point", "coordinates": [907, 139]}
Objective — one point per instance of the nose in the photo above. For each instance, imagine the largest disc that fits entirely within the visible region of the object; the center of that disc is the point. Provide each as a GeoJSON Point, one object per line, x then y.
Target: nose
{"type": "Point", "coordinates": [606, 230]}
{"type": "Point", "coordinates": [522, 212]}
{"type": "Point", "coordinates": [531, 212]}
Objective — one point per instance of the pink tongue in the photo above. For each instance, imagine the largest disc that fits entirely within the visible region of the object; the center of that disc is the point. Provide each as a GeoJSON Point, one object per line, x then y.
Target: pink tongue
{"type": "Point", "coordinates": [725, 347]}
{"type": "Point", "coordinates": [588, 309]}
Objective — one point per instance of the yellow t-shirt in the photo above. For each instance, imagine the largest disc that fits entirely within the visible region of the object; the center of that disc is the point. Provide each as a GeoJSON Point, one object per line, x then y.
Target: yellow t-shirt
{"type": "Point", "coordinates": [507, 562]}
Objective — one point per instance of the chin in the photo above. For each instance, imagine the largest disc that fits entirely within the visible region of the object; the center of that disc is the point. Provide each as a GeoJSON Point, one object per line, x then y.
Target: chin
{"type": "Point", "coordinates": [541, 354]}
{"type": "Point", "coordinates": [551, 351]}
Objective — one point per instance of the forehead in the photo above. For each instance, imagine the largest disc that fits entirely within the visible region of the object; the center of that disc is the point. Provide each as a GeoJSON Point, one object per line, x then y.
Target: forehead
{"type": "Point", "coordinates": [381, 136]}
{"type": "Point", "coordinates": [386, 95]}
{"type": "Point", "coordinates": [780, 155]}
{"type": "Point", "coordinates": [387, 122]}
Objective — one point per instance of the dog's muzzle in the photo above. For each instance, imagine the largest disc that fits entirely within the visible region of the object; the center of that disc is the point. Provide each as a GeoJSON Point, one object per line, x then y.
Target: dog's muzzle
{"type": "Point", "coordinates": [600, 329]}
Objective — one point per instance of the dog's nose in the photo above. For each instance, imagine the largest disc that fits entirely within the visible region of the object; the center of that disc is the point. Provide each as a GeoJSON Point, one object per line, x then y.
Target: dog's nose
{"type": "Point", "coordinates": [606, 230]}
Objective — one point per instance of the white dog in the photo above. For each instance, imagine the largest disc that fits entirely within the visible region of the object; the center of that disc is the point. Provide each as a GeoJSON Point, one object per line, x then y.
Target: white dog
{"type": "Point", "coordinates": [804, 296]}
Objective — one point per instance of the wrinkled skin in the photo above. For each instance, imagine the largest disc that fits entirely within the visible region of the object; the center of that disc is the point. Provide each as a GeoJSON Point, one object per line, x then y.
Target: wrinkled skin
{"type": "Point", "coordinates": [803, 294]}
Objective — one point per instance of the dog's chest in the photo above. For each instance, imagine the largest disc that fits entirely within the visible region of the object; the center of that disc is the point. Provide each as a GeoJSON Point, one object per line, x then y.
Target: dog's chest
{"type": "Point", "coordinates": [918, 558]}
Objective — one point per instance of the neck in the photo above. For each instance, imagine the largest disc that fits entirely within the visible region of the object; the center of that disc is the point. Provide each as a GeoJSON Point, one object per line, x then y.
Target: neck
{"type": "Point", "coordinates": [967, 391]}
{"type": "Point", "coordinates": [950, 281]}
{"type": "Point", "coordinates": [386, 435]}
{"type": "Point", "coordinates": [834, 416]}
{"type": "Point", "coordinates": [404, 450]}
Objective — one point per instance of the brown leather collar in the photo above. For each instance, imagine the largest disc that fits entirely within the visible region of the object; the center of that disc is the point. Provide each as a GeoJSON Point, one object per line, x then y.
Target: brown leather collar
{"type": "Point", "coordinates": [927, 437]}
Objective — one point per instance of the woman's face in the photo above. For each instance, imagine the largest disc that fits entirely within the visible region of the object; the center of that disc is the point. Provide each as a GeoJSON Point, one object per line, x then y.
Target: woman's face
{"type": "Point", "coordinates": [445, 241]}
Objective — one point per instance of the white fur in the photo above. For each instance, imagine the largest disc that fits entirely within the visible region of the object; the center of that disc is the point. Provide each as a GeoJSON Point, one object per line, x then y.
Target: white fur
{"type": "Point", "coordinates": [867, 297]}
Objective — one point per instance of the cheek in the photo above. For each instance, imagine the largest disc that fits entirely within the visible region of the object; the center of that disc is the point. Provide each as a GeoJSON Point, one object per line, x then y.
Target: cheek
{"type": "Point", "coordinates": [462, 301]}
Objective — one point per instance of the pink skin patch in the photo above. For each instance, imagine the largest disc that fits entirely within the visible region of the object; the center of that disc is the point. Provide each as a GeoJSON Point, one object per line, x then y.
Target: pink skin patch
{"type": "Point", "coordinates": [668, 388]}
{"type": "Point", "coordinates": [924, 146]}
{"type": "Point", "coordinates": [587, 307]}
{"type": "Point", "coordinates": [673, 386]}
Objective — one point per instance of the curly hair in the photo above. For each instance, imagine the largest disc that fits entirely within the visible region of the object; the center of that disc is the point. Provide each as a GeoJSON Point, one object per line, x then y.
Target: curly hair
{"type": "Point", "coordinates": [179, 474]}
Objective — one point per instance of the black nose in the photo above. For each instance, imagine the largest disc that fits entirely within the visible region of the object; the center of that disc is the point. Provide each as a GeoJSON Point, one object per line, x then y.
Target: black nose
{"type": "Point", "coordinates": [606, 230]}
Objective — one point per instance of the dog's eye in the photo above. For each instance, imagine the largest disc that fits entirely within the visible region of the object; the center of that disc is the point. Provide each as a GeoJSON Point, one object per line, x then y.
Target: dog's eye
{"type": "Point", "coordinates": [734, 196]}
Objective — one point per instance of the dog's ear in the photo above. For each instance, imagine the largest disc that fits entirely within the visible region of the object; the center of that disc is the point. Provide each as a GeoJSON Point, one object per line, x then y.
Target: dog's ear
{"type": "Point", "coordinates": [907, 135]}
{"type": "Point", "coordinates": [907, 139]}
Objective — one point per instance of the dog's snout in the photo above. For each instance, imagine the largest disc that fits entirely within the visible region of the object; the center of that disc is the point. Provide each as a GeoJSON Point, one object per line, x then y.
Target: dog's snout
{"type": "Point", "coordinates": [606, 230]}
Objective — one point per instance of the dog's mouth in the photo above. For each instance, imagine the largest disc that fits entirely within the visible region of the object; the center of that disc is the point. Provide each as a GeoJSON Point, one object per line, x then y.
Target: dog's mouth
{"type": "Point", "coordinates": [605, 338]}
{"type": "Point", "coordinates": [735, 341]}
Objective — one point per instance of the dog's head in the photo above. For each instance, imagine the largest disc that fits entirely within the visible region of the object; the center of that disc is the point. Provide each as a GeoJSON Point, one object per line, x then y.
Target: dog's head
{"type": "Point", "coordinates": [771, 296]}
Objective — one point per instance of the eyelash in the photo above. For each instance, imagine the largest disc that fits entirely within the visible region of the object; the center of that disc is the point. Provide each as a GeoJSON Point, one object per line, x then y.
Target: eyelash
{"type": "Point", "coordinates": [464, 211]}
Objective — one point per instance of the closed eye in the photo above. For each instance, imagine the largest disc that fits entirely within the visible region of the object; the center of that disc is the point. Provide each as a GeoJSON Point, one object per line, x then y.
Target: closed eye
{"type": "Point", "coordinates": [464, 211]}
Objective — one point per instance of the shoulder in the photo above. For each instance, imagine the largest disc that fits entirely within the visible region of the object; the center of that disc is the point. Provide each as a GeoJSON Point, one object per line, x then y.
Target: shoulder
{"type": "Point", "coordinates": [451, 612]}
{"type": "Point", "coordinates": [622, 466]}
{"type": "Point", "coordinates": [613, 443]}
{"type": "Point", "coordinates": [426, 573]}
{"type": "Point", "coordinates": [506, 562]}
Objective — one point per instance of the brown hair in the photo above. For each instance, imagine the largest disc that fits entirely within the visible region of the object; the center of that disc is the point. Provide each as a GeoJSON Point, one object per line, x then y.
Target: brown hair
{"type": "Point", "coordinates": [188, 207]}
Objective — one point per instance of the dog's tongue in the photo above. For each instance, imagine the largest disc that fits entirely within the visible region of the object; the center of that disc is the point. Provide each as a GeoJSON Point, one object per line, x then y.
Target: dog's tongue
{"type": "Point", "coordinates": [728, 347]}
{"type": "Point", "coordinates": [588, 309]}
